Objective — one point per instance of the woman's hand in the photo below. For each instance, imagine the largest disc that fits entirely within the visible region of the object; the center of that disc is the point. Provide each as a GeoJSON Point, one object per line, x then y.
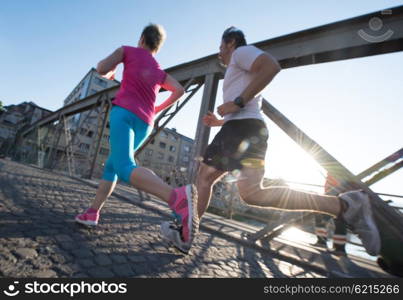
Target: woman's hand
{"type": "Point", "coordinates": [176, 89]}
{"type": "Point", "coordinates": [157, 109]}
{"type": "Point", "coordinates": [110, 75]}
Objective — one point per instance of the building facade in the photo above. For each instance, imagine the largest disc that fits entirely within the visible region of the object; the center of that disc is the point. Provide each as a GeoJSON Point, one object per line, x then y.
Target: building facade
{"type": "Point", "coordinates": [15, 118]}
{"type": "Point", "coordinates": [91, 83]}
{"type": "Point", "coordinates": [168, 155]}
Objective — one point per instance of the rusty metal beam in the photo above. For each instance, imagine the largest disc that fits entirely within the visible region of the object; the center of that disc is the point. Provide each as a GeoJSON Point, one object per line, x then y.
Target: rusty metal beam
{"type": "Point", "coordinates": [336, 41]}
{"type": "Point", "coordinates": [75, 108]}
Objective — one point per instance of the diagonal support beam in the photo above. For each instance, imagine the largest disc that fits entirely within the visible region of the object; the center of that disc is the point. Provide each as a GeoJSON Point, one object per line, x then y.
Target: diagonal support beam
{"type": "Point", "coordinates": [390, 159]}
{"type": "Point", "coordinates": [386, 172]}
{"type": "Point", "coordinates": [164, 114]}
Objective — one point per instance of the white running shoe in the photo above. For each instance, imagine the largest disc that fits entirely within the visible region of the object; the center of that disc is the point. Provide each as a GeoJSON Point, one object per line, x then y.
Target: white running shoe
{"type": "Point", "coordinates": [359, 217]}
{"type": "Point", "coordinates": [171, 233]}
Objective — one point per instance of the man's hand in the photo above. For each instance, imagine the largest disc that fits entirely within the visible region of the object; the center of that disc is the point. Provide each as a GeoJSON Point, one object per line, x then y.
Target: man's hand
{"type": "Point", "coordinates": [211, 120]}
{"type": "Point", "coordinates": [228, 108]}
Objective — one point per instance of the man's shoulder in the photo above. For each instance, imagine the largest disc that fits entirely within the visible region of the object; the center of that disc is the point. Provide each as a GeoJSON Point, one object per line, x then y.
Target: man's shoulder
{"type": "Point", "coordinates": [248, 48]}
{"type": "Point", "coordinates": [244, 56]}
{"type": "Point", "coordinates": [247, 52]}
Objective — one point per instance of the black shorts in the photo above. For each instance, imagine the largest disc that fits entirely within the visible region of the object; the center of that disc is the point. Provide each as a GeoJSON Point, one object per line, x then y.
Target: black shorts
{"type": "Point", "coordinates": [239, 143]}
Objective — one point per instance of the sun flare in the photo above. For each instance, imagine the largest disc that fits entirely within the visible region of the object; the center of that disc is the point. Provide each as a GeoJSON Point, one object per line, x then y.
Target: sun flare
{"type": "Point", "coordinates": [294, 165]}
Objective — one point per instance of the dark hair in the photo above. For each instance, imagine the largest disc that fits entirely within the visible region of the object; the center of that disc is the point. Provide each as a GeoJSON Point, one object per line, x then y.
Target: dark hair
{"type": "Point", "coordinates": [234, 34]}
{"type": "Point", "coordinates": [154, 36]}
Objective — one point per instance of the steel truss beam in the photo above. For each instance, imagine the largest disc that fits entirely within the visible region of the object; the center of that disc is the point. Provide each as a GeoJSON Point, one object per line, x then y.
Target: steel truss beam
{"type": "Point", "coordinates": [331, 42]}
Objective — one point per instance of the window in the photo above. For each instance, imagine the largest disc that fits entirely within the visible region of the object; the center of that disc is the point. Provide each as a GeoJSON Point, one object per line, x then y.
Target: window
{"type": "Point", "coordinates": [160, 155]}
{"type": "Point", "coordinates": [100, 82]}
{"type": "Point", "coordinates": [174, 138]}
{"type": "Point", "coordinates": [185, 159]}
{"type": "Point", "coordinates": [104, 151]}
{"type": "Point", "coordinates": [86, 132]}
{"type": "Point", "coordinates": [149, 152]}
{"type": "Point", "coordinates": [84, 147]}
{"type": "Point", "coordinates": [172, 148]}
{"type": "Point", "coordinates": [92, 92]}
{"type": "Point", "coordinates": [171, 159]}
{"type": "Point", "coordinates": [162, 145]}
{"type": "Point", "coordinates": [186, 148]}
{"type": "Point", "coordinates": [164, 134]}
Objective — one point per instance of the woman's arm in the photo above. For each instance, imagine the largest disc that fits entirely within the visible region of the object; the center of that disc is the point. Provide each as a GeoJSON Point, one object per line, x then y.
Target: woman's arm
{"type": "Point", "coordinates": [109, 64]}
{"type": "Point", "coordinates": [176, 89]}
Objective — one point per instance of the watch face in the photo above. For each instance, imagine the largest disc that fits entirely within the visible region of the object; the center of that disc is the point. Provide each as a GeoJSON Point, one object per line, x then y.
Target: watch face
{"type": "Point", "coordinates": [238, 101]}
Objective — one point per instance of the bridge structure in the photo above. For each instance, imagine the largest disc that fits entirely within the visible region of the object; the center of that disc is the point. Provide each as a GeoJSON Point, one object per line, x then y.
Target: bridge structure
{"type": "Point", "coordinates": [337, 41]}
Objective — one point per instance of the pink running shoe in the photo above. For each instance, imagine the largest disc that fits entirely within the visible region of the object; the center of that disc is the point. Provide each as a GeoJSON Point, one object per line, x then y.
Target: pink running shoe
{"type": "Point", "coordinates": [185, 210]}
{"type": "Point", "coordinates": [89, 219]}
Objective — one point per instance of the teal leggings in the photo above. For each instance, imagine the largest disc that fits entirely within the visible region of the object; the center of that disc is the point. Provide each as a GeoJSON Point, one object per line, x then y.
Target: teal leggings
{"type": "Point", "coordinates": [127, 134]}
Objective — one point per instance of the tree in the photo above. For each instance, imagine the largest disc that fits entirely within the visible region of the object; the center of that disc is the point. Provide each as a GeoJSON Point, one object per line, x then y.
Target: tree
{"type": "Point", "coordinates": [1, 107]}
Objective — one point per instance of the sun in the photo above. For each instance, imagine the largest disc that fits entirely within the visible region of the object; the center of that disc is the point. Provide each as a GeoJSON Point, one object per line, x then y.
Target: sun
{"type": "Point", "coordinates": [289, 161]}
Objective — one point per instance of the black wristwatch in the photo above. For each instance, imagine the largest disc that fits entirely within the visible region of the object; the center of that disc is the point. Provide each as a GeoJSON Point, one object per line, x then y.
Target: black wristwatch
{"type": "Point", "coordinates": [239, 101]}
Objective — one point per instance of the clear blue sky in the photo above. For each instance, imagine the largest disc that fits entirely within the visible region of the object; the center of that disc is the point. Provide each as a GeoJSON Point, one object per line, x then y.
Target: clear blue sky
{"type": "Point", "coordinates": [352, 108]}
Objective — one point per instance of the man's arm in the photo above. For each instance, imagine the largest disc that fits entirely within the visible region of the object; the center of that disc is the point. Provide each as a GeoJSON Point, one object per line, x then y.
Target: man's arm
{"type": "Point", "coordinates": [263, 70]}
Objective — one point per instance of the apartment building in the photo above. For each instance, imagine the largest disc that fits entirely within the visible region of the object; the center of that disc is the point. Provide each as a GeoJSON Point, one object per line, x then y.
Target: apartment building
{"type": "Point", "coordinates": [15, 118]}
{"type": "Point", "coordinates": [168, 155]}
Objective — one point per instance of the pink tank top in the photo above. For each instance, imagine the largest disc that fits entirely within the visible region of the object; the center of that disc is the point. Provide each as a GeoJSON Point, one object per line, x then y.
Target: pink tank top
{"type": "Point", "coordinates": [142, 80]}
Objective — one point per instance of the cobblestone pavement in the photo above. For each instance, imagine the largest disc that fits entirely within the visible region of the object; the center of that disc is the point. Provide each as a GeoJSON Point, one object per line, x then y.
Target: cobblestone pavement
{"type": "Point", "coordinates": [38, 237]}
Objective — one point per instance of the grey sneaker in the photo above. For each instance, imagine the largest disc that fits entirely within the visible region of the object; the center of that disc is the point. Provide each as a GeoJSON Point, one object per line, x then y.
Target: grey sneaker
{"type": "Point", "coordinates": [359, 217]}
{"type": "Point", "coordinates": [171, 233]}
